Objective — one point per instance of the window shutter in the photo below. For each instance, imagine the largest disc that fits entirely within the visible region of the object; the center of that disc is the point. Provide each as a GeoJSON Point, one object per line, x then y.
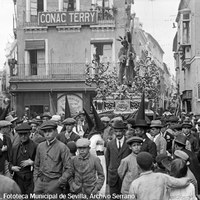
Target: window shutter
{"type": "Point", "coordinates": [33, 7]}
{"type": "Point", "coordinates": [52, 5]}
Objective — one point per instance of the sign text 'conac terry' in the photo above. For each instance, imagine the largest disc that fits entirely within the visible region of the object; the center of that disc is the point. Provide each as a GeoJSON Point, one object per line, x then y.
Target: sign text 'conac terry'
{"type": "Point", "coordinates": [67, 18]}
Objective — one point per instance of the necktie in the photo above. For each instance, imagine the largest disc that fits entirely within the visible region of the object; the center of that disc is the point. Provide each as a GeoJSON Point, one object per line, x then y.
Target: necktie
{"type": "Point", "coordinates": [119, 147]}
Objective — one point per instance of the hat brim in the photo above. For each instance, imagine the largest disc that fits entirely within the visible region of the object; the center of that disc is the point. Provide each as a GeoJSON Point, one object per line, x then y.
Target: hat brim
{"type": "Point", "coordinates": [179, 142]}
{"type": "Point", "coordinates": [156, 126]}
{"type": "Point", "coordinates": [134, 141]}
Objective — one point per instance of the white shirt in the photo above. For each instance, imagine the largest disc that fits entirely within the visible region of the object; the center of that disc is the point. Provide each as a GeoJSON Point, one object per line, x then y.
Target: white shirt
{"type": "Point", "coordinates": [1, 136]}
{"type": "Point", "coordinates": [121, 142]}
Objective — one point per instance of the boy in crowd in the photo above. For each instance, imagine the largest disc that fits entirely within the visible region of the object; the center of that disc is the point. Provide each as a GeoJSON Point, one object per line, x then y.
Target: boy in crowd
{"type": "Point", "coordinates": [128, 169]}
{"type": "Point", "coordinates": [88, 176]}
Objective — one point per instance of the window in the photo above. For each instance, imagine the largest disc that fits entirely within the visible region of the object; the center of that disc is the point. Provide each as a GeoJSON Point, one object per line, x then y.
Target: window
{"type": "Point", "coordinates": [69, 5]}
{"type": "Point", "coordinates": [186, 28]}
{"type": "Point", "coordinates": [40, 5]}
{"type": "Point", "coordinates": [198, 91]}
{"type": "Point", "coordinates": [36, 52]}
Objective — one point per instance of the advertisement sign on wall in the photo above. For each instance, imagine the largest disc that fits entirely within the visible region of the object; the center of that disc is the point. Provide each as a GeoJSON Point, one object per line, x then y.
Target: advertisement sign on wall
{"type": "Point", "coordinates": [75, 103]}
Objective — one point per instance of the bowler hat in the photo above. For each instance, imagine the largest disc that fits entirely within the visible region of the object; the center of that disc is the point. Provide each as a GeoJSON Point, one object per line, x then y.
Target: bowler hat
{"type": "Point", "coordinates": [119, 125]}
{"type": "Point", "coordinates": [173, 119]}
{"type": "Point", "coordinates": [82, 142]}
{"type": "Point", "coordinates": [181, 139]}
{"type": "Point", "coordinates": [23, 128]}
{"type": "Point", "coordinates": [48, 125]}
{"type": "Point", "coordinates": [144, 160]}
{"type": "Point", "coordinates": [46, 114]}
{"type": "Point", "coordinates": [156, 124]}
{"type": "Point", "coordinates": [134, 139]}
{"type": "Point", "coordinates": [69, 121]}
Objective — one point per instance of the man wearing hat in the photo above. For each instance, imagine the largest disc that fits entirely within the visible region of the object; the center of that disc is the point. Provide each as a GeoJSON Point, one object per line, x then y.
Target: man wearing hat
{"type": "Point", "coordinates": [147, 145]}
{"type": "Point", "coordinates": [186, 129]}
{"type": "Point", "coordinates": [51, 162]}
{"type": "Point", "coordinates": [159, 140]}
{"type": "Point", "coordinates": [23, 156]}
{"type": "Point", "coordinates": [180, 144]}
{"type": "Point", "coordinates": [35, 132]}
{"type": "Point", "coordinates": [67, 134]}
{"type": "Point", "coordinates": [46, 116]}
{"type": "Point", "coordinates": [57, 119]}
{"type": "Point", "coordinates": [128, 169]}
{"type": "Point", "coordinates": [5, 147]}
{"type": "Point", "coordinates": [117, 149]}
{"type": "Point", "coordinates": [86, 170]}
{"type": "Point", "coordinates": [151, 185]}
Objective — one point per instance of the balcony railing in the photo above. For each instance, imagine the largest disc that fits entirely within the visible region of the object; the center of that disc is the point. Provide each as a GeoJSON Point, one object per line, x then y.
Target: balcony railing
{"type": "Point", "coordinates": [58, 71]}
{"type": "Point", "coordinates": [55, 71]}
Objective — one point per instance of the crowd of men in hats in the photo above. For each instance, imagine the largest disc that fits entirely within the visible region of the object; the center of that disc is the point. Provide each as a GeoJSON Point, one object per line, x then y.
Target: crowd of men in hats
{"type": "Point", "coordinates": [92, 157]}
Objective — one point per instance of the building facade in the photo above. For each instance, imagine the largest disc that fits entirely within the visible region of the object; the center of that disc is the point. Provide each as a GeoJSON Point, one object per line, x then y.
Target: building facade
{"type": "Point", "coordinates": [56, 41]}
{"type": "Point", "coordinates": [187, 55]}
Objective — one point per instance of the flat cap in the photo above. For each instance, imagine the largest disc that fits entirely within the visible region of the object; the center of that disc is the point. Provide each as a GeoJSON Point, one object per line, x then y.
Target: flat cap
{"type": "Point", "coordinates": [181, 154]}
{"type": "Point", "coordinates": [56, 118]}
{"type": "Point", "coordinates": [23, 128]}
{"type": "Point", "coordinates": [134, 139]}
{"type": "Point", "coordinates": [105, 119]}
{"type": "Point", "coordinates": [69, 121]}
{"type": "Point", "coordinates": [82, 142]}
{"type": "Point", "coordinates": [48, 125]}
{"type": "Point", "coordinates": [4, 123]}
{"type": "Point", "coordinates": [33, 121]}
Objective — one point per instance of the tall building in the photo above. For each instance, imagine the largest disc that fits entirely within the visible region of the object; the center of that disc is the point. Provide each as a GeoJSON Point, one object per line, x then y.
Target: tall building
{"type": "Point", "coordinates": [186, 49]}
{"type": "Point", "coordinates": [56, 41]}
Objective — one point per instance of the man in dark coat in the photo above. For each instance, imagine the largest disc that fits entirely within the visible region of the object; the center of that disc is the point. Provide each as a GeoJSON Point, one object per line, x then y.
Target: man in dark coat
{"type": "Point", "coordinates": [117, 149]}
{"type": "Point", "coordinates": [147, 145]}
{"type": "Point", "coordinates": [23, 156]}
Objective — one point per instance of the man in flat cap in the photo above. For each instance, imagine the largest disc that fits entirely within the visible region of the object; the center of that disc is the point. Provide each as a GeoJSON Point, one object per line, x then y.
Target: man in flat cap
{"type": "Point", "coordinates": [35, 135]}
{"type": "Point", "coordinates": [5, 147]}
{"type": "Point", "coordinates": [51, 162]}
{"type": "Point", "coordinates": [117, 149]}
{"type": "Point", "coordinates": [23, 156]}
{"type": "Point", "coordinates": [86, 169]}
{"type": "Point", "coordinates": [67, 134]}
{"type": "Point", "coordinates": [128, 169]}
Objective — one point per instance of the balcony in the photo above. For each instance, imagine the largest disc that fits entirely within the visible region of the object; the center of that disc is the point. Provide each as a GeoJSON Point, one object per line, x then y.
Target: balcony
{"type": "Point", "coordinates": [47, 72]}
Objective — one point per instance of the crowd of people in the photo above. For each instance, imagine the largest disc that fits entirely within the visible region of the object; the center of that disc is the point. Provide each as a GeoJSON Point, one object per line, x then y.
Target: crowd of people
{"type": "Point", "coordinates": [100, 157]}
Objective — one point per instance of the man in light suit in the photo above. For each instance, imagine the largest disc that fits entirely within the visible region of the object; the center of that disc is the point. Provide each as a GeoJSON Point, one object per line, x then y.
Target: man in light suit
{"type": "Point", "coordinates": [159, 140]}
{"type": "Point", "coordinates": [117, 149]}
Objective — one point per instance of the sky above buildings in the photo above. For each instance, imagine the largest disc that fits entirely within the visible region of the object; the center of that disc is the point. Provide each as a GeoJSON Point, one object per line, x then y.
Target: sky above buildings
{"type": "Point", "coordinates": [6, 24]}
{"type": "Point", "coordinates": [157, 17]}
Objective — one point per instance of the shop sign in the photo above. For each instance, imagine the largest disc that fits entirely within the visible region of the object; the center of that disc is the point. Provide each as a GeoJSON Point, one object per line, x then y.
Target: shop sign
{"type": "Point", "coordinates": [67, 18]}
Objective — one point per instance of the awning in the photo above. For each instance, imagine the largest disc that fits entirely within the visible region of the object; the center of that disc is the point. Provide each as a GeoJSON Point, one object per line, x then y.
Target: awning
{"type": "Point", "coordinates": [34, 44]}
